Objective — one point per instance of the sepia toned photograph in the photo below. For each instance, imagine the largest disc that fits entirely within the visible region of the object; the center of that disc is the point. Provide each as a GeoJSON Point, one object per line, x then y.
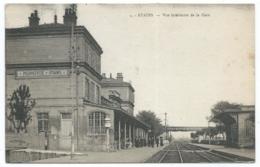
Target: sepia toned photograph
{"type": "Point", "coordinates": [129, 83]}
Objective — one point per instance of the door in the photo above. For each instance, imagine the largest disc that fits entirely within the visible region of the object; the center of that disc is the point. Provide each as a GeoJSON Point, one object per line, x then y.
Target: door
{"type": "Point", "coordinates": [65, 133]}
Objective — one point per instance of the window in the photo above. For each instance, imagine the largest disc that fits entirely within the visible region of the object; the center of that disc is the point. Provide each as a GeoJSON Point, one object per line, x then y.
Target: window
{"type": "Point", "coordinates": [97, 123]}
{"type": "Point", "coordinates": [43, 120]}
{"type": "Point", "coordinates": [89, 58]}
{"type": "Point", "coordinates": [87, 88]}
{"type": "Point", "coordinates": [94, 62]}
{"type": "Point", "coordinates": [92, 59]}
{"type": "Point", "coordinates": [98, 64]}
{"type": "Point", "coordinates": [89, 55]}
{"type": "Point", "coordinates": [97, 95]}
{"type": "Point", "coordinates": [86, 53]}
{"type": "Point", "coordinates": [92, 92]}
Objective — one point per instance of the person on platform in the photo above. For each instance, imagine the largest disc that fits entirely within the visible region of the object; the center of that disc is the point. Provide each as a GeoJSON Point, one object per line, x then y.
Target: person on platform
{"type": "Point", "coordinates": [161, 141]}
{"type": "Point", "coordinates": [130, 143]}
{"type": "Point", "coordinates": [152, 140]}
{"type": "Point", "coordinates": [136, 142]}
{"type": "Point", "coordinates": [46, 141]}
{"type": "Point", "coordinates": [157, 141]}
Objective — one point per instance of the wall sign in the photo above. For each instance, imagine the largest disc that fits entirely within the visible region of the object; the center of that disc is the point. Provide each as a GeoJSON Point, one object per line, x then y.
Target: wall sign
{"type": "Point", "coordinates": [42, 73]}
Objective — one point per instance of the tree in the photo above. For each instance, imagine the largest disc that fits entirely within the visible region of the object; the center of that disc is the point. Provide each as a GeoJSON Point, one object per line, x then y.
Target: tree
{"type": "Point", "coordinates": [150, 118]}
{"type": "Point", "coordinates": [216, 109]}
{"type": "Point", "coordinates": [194, 135]}
{"type": "Point", "coordinates": [201, 132]}
{"type": "Point", "coordinates": [20, 105]}
{"type": "Point", "coordinates": [222, 105]}
{"type": "Point", "coordinates": [213, 131]}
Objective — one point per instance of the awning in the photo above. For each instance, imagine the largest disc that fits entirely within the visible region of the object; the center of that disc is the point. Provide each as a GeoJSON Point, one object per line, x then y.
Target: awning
{"type": "Point", "coordinates": [132, 118]}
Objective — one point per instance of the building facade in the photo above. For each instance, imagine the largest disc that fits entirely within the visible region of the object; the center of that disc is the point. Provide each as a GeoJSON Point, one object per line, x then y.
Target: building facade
{"type": "Point", "coordinates": [61, 64]}
{"type": "Point", "coordinates": [117, 87]}
{"type": "Point", "coordinates": [239, 126]}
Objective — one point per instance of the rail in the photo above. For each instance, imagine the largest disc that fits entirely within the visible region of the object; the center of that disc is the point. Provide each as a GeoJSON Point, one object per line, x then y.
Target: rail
{"type": "Point", "coordinates": [183, 152]}
{"type": "Point", "coordinates": [219, 155]}
{"type": "Point", "coordinates": [179, 152]}
{"type": "Point", "coordinates": [196, 152]}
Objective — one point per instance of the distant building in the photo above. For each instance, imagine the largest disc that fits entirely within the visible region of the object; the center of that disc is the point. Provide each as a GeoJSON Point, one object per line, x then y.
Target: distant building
{"type": "Point", "coordinates": [41, 57]}
{"type": "Point", "coordinates": [239, 125]}
{"type": "Point", "coordinates": [113, 88]}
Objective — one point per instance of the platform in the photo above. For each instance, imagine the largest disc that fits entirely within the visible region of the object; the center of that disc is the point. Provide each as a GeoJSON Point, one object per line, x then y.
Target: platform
{"type": "Point", "coordinates": [133, 155]}
{"type": "Point", "coordinates": [243, 152]}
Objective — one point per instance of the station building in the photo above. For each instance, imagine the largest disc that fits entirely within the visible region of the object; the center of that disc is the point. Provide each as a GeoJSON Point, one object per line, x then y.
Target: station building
{"type": "Point", "coordinates": [239, 125]}
{"type": "Point", "coordinates": [61, 64]}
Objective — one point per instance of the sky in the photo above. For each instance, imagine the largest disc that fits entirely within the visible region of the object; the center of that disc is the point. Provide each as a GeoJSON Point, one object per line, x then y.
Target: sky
{"type": "Point", "coordinates": [181, 65]}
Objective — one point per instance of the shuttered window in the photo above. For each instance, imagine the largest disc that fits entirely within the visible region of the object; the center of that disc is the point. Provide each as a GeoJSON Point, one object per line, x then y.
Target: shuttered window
{"type": "Point", "coordinates": [43, 121]}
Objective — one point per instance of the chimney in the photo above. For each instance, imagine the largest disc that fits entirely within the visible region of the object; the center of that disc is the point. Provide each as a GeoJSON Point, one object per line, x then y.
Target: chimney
{"type": "Point", "coordinates": [34, 19]}
{"type": "Point", "coordinates": [104, 75]}
{"type": "Point", "coordinates": [111, 76]}
{"type": "Point", "coordinates": [119, 76]}
{"type": "Point", "coordinates": [70, 17]}
{"type": "Point", "coordinates": [55, 19]}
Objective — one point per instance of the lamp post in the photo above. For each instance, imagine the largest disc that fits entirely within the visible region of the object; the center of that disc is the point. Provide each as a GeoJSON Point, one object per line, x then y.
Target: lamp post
{"type": "Point", "coordinates": [107, 125]}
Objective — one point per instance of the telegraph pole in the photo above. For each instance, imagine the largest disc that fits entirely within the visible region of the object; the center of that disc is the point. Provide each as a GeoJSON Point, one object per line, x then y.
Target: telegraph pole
{"type": "Point", "coordinates": [74, 8]}
{"type": "Point", "coordinates": [72, 56]}
{"type": "Point", "coordinates": [77, 95]}
{"type": "Point", "coordinates": [165, 119]}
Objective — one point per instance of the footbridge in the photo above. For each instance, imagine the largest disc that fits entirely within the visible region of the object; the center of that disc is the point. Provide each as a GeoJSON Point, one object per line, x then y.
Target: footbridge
{"type": "Point", "coordinates": [184, 128]}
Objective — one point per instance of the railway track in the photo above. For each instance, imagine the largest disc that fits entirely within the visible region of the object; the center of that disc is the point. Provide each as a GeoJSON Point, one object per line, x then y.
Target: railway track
{"type": "Point", "coordinates": [183, 152]}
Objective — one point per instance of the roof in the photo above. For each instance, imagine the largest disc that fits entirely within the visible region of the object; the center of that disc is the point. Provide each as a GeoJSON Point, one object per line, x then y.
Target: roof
{"type": "Point", "coordinates": [51, 29]}
{"type": "Point", "coordinates": [224, 114]}
{"type": "Point", "coordinates": [120, 111]}
{"type": "Point", "coordinates": [241, 109]}
{"type": "Point", "coordinates": [112, 82]}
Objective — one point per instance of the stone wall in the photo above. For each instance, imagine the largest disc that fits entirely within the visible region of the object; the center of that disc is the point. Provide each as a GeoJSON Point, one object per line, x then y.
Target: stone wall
{"type": "Point", "coordinates": [49, 49]}
{"type": "Point", "coordinates": [87, 141]}
{"type": "Point", "coordinates": [246, 133]}
{"type": "Point", "coordinates": [26, 140]}
{"type": "Point", "coordinates": [41, 49]}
